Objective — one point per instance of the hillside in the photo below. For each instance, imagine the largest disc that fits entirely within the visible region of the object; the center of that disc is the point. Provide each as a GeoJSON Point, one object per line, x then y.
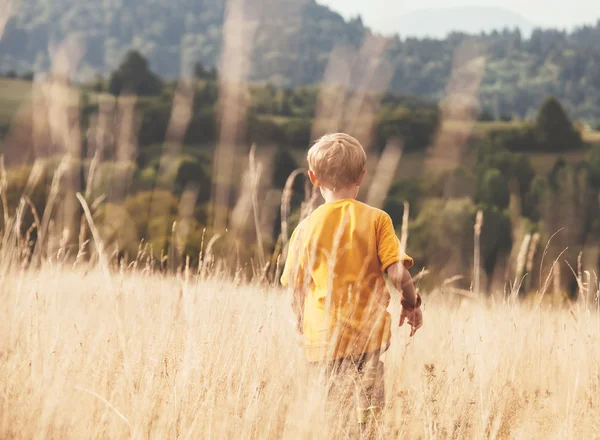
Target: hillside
{"type": "Point", "coordinates": [291, 42]}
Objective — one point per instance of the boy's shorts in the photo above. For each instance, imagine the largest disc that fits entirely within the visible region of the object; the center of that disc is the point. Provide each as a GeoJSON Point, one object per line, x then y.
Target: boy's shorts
{"type": "Point", "coordinates": [356, 381]}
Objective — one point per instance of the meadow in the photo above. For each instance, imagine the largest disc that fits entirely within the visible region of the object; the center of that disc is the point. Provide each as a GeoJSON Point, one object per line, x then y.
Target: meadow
{"type": "Point", "coordinates": [93, 347]}
{"type": "Point", "coordinates": [139, 355]}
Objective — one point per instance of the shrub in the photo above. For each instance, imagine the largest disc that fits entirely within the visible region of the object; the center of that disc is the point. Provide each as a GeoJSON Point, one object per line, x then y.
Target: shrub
{"type": "Point", "coordinates": [493, 189]}
{"type": "Point", "coordinates": [515, 139]}
{"type": "Point", "coordinates": [297, 132]}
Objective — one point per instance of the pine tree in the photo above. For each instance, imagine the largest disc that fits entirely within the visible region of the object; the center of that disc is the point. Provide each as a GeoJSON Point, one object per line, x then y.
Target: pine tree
{"type": "Point", "coordinates": [554, 130]}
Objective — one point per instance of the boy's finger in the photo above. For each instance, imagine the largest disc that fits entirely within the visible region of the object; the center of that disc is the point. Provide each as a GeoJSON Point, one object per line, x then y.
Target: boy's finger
{"type": "Point", "coordinates": [402, 318]}
{"type": "Point", "coordinates": [412, 331]}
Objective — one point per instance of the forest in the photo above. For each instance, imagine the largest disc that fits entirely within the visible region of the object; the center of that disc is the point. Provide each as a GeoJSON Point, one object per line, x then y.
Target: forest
{"type": "Point", "coordinates": [293, 41]}
{"type": "Point", "coordinates": [529, 179]}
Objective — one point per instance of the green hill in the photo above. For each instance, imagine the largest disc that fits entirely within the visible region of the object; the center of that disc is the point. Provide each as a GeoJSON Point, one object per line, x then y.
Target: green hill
{"type": "Point", "coordinates": [291, 42]}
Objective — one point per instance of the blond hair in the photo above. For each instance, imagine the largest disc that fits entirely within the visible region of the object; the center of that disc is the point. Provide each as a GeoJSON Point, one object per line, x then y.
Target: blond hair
{"type": "Point", "coordinates": [337, 159]}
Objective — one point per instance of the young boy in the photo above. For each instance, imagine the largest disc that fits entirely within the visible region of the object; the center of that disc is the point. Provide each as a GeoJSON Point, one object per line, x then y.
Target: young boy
{"type": "Point", "coordinates": [335, 269]}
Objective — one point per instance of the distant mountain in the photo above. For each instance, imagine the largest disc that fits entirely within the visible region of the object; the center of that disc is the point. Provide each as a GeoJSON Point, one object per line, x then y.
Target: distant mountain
{"type": "Point", "coordinates": [438, 23]}
{"type": "Point", "coordinates": [291, 43]}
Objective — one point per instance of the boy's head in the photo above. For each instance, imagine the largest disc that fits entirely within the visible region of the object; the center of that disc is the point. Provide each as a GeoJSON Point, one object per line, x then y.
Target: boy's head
{"type": "Point", "coordinates": [337, 161]}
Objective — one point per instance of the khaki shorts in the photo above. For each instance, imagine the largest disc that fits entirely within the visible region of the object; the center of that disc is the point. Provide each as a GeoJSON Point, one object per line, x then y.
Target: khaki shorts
{"type": "Point", "coordinates": [355, 383]}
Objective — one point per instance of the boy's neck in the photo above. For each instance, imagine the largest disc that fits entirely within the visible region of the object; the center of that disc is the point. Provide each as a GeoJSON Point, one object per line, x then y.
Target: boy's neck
{"type": "Point", "coordinates": [341, 194]}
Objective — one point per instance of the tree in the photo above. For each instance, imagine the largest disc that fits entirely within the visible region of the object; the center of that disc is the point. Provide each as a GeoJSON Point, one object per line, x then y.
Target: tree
{"type": "Point", "coordinates": [554, 130]}
{"type": "Point", "coordinates": [436, 230]}
{"type": "Point", "coordinates": [201, 72]}
{"type": "Point", "coordinates": [594, 166]}
{"type": "Point", "coordinates": [134, 76]}
{"type": "Point", "coordinates": [515, 139]}
{"type": "Point", "coordinates": [284, 164]}
{"type": "Point", "coordinates": [493, 189]}
{"type": "Point", "coordinates": [297, 131]}
{"type": "Point", "coordinates": [486, 115]}
{"type": "Point", "coordinates": [407, 190]}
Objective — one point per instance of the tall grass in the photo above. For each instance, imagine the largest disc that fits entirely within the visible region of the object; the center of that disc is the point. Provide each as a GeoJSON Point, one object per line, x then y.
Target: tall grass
{"type": "Point", "coordinates": [148, 356]}
{"type": "Point", "coordinates": [93, 347]}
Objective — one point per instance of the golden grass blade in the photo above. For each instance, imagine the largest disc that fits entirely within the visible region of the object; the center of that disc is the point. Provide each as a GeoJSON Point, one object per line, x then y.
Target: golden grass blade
{"type": "Point", "coordinates": [3, 189]}
{"type": "Point", "coordinates": [6, 10]}
{"type": "Point", "coordinates": [95, 234]}
{"type": "Point", "coordinates": [286, 200]}
{"type": "Point", "coordinates": [233, 90]}
{"type": "Point", "coordinates": [405, 222]}
{"type": "Point", "coordinates": [110, 405]}
{"type": "Point", "coordinates": [384, 174]}
{"type": "Point", "coordinates": [459, 108]}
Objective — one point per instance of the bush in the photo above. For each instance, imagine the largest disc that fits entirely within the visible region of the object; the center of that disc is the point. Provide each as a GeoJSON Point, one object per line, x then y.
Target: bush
{"type": "Point", "coordinates": [486, 115]}
{"type": "Point", "coordinates": [514, 167]}
{"type": "Point", "coordinates": [594, 166]}
{"type": "Point", "coordinates": [515, 139]}
{"type": "Point", "coordinates": [415, 128]}
{"type": "Point", "coordinates": [190, 172]}
{"type": "Point", "coordinates": [114, 179]}
{"type": "Point", "coordinates": [442, 236]}
{"type": "Point", "coordinates": [408, 190]}
{"type": "Point", "coordinates": [142, 205]}
{"type": "Point", "coordinates": [493, 189]}
{"type": "Point", "coordinates": [155, 120]}
{"type": "Point", "coordinates": [297, 132]}
{"type": "Point", "coordinates": [534, 198]}
{"type": "Point", "coordinates": [202, 127]}
{"type": "Point", "coordinates": [183, 172]}
{"type": "Point", "coordinates": [284, 164]}
{"type": "Point", "coordinates": [264, 131]}
{"type": "Point", "coordinates": [116, 226]}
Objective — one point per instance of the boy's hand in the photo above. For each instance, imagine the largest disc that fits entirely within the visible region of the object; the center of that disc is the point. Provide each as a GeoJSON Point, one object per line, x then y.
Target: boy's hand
{"type": "Point", "coordinates": [414, 317]}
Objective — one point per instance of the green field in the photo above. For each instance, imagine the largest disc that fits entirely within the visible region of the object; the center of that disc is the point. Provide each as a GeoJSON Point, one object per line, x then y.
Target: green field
{"type": "Point", "coordinates": [12, 95]}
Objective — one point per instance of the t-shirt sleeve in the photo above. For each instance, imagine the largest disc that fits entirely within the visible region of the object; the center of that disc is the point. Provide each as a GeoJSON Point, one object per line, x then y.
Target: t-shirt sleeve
{"type": "Point", "coordinates": [388, 245]}
{"type": "Point", "coordinates": [293, 263]}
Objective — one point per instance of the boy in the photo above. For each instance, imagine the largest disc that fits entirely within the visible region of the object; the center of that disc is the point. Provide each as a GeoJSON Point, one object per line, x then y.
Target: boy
{"type": "Point", "coordinates": [335, 269]}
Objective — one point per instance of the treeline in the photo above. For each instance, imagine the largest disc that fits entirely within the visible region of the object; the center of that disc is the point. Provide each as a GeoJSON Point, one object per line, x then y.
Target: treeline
{"type": "Point", "coordinates": [522, 211]}
{"type": "Point", "coordinates": [285, 117]}
{"type": "Point", "coordinates": [136, 184]}
{"type": "Point", "coordinates": [290, 43]}
{"type": "Point", "coordinates": [276, 116]}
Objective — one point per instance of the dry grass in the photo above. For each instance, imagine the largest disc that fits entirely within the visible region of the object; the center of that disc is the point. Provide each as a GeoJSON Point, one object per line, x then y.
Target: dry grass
{"type": "Point", "coordinates": [157, 357]}
{"type": "Point", "coordinates": [95, 354]}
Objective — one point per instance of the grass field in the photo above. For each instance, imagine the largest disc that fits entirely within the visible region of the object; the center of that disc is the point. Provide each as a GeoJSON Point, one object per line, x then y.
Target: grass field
{"type": "Point", "coordinates": [134, 354]}
{"type": "Point", "coordinates": [12, 95]}
{"type": "Point", "coordinates": [140, 356]}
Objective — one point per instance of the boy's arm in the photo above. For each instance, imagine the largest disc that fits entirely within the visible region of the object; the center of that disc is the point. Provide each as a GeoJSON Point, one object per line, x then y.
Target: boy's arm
{"type": "Point", "coordinates": [411, 301]}
{"type": "Point", "coordinates": [396, 265]}
{"type": "Point", "coordinates": [402, 281]}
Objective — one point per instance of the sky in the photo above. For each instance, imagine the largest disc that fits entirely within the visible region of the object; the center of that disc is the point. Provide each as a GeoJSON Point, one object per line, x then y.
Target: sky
{"type": "Point", "coordinates": [379, 14]}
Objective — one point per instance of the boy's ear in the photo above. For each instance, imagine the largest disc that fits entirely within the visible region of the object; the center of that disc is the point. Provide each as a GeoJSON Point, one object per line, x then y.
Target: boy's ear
{"type": "Point", "coordinates": [361, 178]}
{"type": "Point", "coordinates": [313, 179]}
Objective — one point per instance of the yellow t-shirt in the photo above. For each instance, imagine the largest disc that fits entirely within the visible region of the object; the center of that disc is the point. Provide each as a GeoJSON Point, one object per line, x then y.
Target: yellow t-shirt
{"type": "Point", "coordinates": [338, 256]}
